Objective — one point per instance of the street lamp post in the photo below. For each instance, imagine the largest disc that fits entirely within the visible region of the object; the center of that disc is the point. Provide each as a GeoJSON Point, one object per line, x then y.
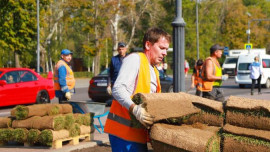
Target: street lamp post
{"type": "Point", "coordinates": [38, 51]}
{"type": "Point", "coordinates": [197, 30]}
{"type": "Point", "coordinates": [178, 49]}
{"type": "Point", "coordinates": [249, 22]}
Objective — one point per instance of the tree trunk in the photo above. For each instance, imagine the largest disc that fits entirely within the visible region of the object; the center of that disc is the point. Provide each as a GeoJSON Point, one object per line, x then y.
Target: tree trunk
{"type": "Point", "coordinates": [43, 53]}
{"type": "Point", "coordinates": [17, 59]}
{"type": "Point", "coordinates": [97, 57]}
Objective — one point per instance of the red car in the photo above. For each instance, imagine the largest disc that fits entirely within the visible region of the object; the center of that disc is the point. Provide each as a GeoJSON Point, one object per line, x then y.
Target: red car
{"type": "Point", "coordinates": [24, 86]}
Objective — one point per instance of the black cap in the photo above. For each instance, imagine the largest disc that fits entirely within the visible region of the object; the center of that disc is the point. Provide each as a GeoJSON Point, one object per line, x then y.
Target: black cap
{"type": "Point", "coordinates": [199, 62]}
{"type": "Point", "coordinates": [216, 47]}
{"type": "Point", "coordinates": [121, 44]}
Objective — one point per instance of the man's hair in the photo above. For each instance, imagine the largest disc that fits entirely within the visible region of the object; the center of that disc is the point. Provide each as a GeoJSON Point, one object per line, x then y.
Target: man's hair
{"type": "Point", "coordinates": [199, 62]}
{"type": "Point", "coordinates": [153, 34]}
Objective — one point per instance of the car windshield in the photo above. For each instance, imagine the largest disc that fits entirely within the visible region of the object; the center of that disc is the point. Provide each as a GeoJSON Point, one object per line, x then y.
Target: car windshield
{"type": "Point", "coordinates": [105, 72]}
{"type": "Point", "coordinates": [1, 72]}
{"type": "Point", "coordinates": [243, 66]}
{"type": "Point", "coordinates": [230, 60]}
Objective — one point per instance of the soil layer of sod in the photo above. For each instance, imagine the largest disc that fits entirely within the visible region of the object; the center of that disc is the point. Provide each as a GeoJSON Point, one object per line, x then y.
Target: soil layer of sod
{"type": "Point", "coordinates": [197, 137]}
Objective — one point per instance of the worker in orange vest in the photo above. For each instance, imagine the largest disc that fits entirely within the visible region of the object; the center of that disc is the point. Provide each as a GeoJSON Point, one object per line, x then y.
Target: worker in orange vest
{"type": "Point", "coordinates": [196, 78]}
{"type": "Point", "coordinates": [138, 74]}
{"type": "Point", "coordinates": [64, 81]}
{"type": "Point", "coordinates": [212, 75]}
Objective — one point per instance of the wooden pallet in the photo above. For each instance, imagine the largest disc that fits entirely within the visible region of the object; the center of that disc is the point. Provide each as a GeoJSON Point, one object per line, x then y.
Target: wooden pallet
{"type": "Point", "coordinates": [71, 141]}
{"type": "Point", "coordinates": [59, 143]}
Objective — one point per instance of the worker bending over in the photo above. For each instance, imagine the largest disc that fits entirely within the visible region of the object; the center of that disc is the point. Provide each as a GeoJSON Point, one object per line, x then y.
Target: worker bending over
{"type": "Point", "coordinates": [138, 74]}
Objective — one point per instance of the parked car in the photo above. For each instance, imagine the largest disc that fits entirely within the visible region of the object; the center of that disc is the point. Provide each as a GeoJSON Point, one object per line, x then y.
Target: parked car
{"type": "Point", "coordinates": [97, 90]}
{"type": "Point", "coordinates": [24, 86]}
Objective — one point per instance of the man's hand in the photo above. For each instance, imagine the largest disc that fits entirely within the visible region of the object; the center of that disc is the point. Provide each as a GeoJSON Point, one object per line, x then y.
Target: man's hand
{"type": "Point", "coordinates": [140, 113]}
{"type": "Point", "coordinates": [109, 90]}
{"type": "Point", "coordinates": [224, 77]}
{"type": "Point", "coordinates": [192, 85]}
{"type": "Point", "coordinates": [68, 95]}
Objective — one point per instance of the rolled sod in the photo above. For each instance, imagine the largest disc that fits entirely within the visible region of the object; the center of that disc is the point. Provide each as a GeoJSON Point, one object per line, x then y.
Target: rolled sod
{"type": "Point", "coordinates": [74, 130]}
{"type": "Point", "coordinates": [22, 112]}
{"type": "Point", "coordinates": [47, 136]}
{"type": "Point", "coordinates": [85, 130]}
{"type": "Point", "coordinates": [5, 122]}
{"type": "Point", "coordinates": [164, 106]}
{"type": "Point", "coordinates": [211, 111]}
{"type": "Point", "coordinates": [185, 138]}
{"type": "Point", "coordinates": [246, 144]}
{"type": "Point", "coordinates": [45, 122]}
{"type": "Point", "coordinates": [248, 113]}
{"type": "Point", "coordinates": [78, 118]}
{"type": "Point", "coordinates": [88, 119]}
{"type": "Point", "coordinates": [6, 134]}
{"type": "Point", "coordinates": [245, 139]}
{"type": "Point", "coordinates": [69, 121]}
{"type": "Point", "coordinates": [19, 135]}
{"type": "Point", "coordinates": [65, 108]}
{"type": "Point", "coordinates": [33, 136]}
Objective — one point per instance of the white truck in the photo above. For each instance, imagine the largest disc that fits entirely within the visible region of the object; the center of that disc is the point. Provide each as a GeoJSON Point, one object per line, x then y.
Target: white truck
{"type": "Point", "coordinates": [229, 65]}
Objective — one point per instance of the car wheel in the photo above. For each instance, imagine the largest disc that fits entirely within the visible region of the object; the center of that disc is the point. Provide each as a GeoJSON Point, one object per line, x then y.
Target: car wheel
{"type": "Point", "coordinates": [267, 84]}
{"type": "Point", "coordinates": [241, 85]}
{"type": "Point", "coordinates": [43, 97]}
{"type": "Point", "coordinates": [170, 88]}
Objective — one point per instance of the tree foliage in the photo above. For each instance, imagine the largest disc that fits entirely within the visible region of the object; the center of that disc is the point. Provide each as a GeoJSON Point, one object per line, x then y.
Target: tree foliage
{"type": "Point", "coordinates": [92, 28]}
{"type": "Point", "coordinates": [18, 27]}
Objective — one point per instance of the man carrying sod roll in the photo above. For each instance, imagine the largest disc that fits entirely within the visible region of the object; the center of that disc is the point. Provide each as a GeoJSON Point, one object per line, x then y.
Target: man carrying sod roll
{"type": "Point", "coordinates": [138, 74]}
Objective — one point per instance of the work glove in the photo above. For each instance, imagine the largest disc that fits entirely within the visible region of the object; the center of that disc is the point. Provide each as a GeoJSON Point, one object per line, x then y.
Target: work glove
{"type": "Point", "coordinates": [140, 113]}
{"type": "Point", "coordinates": [109, 90]}
{"type": "Point", "coordinates": [224, 77]}
{"type": "Point", "coordinates": [68, 95]}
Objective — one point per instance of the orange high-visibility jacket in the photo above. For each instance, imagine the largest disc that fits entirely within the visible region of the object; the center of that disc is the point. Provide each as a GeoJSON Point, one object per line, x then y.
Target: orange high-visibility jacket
{"type": "Point", "coordinates": [198, 79]}
{"type": "Point", "coordinates": [118, 122]}
{"type": "Point", "coordinates": [70, 80]}
{"type": "Point", "coordinates": [207, 85]}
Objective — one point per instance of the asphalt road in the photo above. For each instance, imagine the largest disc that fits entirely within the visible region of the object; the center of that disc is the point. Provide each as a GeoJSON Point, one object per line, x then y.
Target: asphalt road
{"type": "Point", "coordinates": [229, 87]}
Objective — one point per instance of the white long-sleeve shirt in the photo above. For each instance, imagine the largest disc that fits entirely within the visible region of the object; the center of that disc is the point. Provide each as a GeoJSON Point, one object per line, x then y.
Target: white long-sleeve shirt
{"type": "Point", "coordinates": [255, 70]}
{"type": "Point", "coordinates": [126, 81]}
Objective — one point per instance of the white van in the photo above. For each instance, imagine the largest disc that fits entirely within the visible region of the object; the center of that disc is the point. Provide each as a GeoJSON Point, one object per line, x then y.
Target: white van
{"type": "Point", "coordinates": [229, 65]}
{"type": "Point", "coordinates": [243, 73]}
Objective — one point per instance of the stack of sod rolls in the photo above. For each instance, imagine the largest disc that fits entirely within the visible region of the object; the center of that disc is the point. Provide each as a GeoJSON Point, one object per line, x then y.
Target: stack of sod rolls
{"type": "Point", "coordinates": [171, 111]}
{"type": "Point", "coordinates": [44, 123]}
{"type": "Point", "coordinates": [22, 112]}
{"type": "Point", "coordinates": [211, 111]}
{"type": "Point", "coordinates": [5, 130]}
{"type": "Point", "coordinates": [247, 125]}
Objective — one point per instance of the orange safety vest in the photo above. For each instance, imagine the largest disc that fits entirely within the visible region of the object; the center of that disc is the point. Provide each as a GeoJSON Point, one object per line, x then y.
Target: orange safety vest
{"type": "Point", "coordinates": [207, 85]}
{"type": "Point", "coordinates": [198, 79]}
{"type": "Point", "coordinates": [70, 80]}
{"type": "Point", "coordinates": [118, 122]}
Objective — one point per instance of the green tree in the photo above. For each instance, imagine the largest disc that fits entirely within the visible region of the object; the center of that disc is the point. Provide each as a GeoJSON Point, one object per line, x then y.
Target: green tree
{"type": "Point", "coordinates": [18, 28]}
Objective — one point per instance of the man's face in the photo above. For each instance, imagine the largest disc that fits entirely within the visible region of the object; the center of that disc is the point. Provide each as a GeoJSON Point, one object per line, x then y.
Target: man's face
{"type": "Point", "coordinates": [157, 51]}
{"type": "Point", "coordinates": [122, 51]}
{"type": "Point", "coordinates": [218, 53]}
{"type": "Point", "coordinates": [67, 58]}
